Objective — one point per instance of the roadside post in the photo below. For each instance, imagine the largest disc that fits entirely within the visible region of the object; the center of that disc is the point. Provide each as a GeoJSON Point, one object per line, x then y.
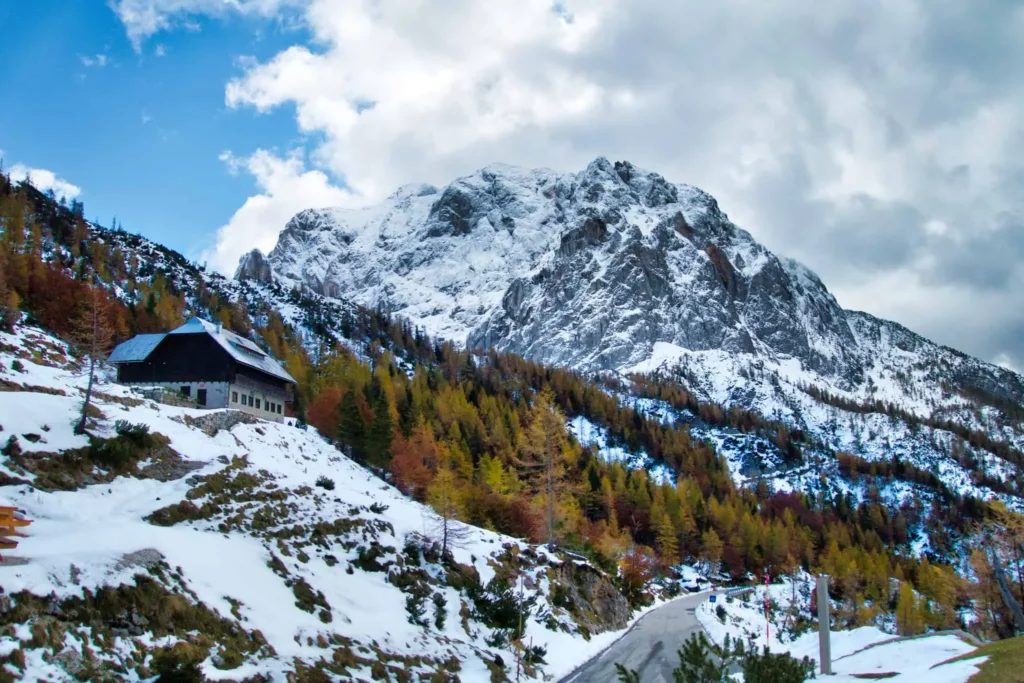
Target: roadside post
{"type": "Point", "coordinates": [824, 635]}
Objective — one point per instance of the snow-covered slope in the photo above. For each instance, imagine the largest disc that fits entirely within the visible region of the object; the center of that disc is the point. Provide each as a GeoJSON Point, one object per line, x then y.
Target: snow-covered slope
{"type": "Point", "coordinates": [241, 555]}
{"type": "Point", "coordinates": [857, 654]}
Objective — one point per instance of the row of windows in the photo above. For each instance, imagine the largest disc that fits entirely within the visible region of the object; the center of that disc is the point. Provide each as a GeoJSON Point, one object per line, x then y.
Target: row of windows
{"type": "Point", "coordinates": [268, 406]}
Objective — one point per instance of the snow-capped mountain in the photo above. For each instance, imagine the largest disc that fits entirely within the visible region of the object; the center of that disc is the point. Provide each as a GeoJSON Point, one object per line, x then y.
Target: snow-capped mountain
{"type": "Point", "coordinates": [615, 268]}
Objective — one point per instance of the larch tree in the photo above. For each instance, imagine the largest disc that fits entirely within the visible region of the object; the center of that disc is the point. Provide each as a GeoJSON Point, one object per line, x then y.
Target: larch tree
{"type": "Point", "coordinates": [542, 456]}
{"type": "Point", "coordinates": [668, 543]}
{"type": "Point", "coordinates": [711, 552]}
{"type": "Point", "coordinates": [909, 621]}
{"type": "Point", "coordinates": [92, 338]}
{"type": "Point", "coordinates": [444, 495]}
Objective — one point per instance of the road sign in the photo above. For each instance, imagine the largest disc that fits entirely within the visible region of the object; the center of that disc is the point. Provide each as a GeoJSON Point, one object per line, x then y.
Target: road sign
{"type": "Point", "coordinates": [714, 598]}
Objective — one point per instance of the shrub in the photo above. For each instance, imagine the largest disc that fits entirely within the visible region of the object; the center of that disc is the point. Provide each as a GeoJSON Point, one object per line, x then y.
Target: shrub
{"type": "Point", "coordinates": [720, 613]}
{"type": "Point", "coordinates": [325, 483]}
{"type": "Point", "coordinates": [132, 443]}
{"type": "Point", "coordinates": [172, 666]}
{"type": "Point", "coordinates": [17, 366]}
{"type": "Point", "coordinates": [417, 595]}
{"type": "Point", "coordinates": [439, 610]}
{"type": "Point", "coordinates": [769, 667]}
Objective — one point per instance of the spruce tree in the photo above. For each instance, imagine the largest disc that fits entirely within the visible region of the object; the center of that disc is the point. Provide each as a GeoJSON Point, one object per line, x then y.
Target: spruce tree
{"type": "Point", "coordinates": [351, 428]}
{"type": "Point", "coordinates": [380, 434]}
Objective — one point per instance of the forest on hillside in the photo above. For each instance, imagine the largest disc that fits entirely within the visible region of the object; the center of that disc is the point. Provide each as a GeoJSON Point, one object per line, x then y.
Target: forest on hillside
{"type": "Point", "coordinates": [481, 436]}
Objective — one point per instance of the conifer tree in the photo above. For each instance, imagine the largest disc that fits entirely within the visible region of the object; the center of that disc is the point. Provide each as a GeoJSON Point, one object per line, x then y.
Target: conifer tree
{"type": "Point", "coordinates": [92, 338]}
{"type": "Point", "coordinates": [668, 544]}
{"type": "Point", "coordinates": [351, 428]}
{"type": "Point", "coordinates": [380, 434]}
{"type": "Point", "coordinates": [909, 621]}
{"type": "Point", "coordinates": [445, 496]}
{"type": "Point", "coordinates": [543, 454]}
{"type": "Point", "coordinates": [711, 551]}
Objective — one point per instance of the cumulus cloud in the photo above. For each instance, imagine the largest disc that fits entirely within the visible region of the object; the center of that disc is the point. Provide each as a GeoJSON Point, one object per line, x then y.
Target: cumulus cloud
{"type": "Point", "coordinates": [286, 188]}
{"type": "Point", "coordinates": [44, 180]}
{"type": "Point", "coordinates": [878, 142]}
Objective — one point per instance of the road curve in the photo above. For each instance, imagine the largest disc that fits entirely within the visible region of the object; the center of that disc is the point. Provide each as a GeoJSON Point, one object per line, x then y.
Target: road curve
{"type": "Point", "coordinates": [650, 647]}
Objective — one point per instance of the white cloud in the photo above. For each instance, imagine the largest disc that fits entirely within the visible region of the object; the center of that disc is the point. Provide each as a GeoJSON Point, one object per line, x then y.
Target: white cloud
{"type": "Point", "coordinates": [160, 50]}
{"type": "Point", "coordinates": [873, 141]}
{"type": "Point", "coordinates": [145, 18]}
{"type": "Point", "coordinates": [44, 180]}
{"type": "Point", "coordinates": [99, 60]}
{"type": "Point", "coordinates": [286, 188]}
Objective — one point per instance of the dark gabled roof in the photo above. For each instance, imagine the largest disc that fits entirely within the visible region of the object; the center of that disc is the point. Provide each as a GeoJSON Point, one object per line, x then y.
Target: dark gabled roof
{"type": "Point", "coordinates": [242, 350]}
{"type": "Point", "coordinates": [136, 349]}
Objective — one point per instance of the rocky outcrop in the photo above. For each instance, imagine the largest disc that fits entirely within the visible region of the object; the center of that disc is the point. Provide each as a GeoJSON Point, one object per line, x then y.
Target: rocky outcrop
{"type": "Point", "coordinates": [589, 596]}
{"type": "Point", "coordinates": [255, 266]}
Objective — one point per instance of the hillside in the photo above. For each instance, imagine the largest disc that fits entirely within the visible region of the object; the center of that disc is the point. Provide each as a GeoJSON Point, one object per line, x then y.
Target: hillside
{"type": "Point", "coordinates": [651, 479]}
{"type": "Point", "coordinates": [219, 524]}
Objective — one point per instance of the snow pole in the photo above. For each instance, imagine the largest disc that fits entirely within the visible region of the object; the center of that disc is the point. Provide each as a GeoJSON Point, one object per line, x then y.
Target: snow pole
{"type": "Point", "coordinates": [824, 637]}
{"type": "Point", "coordinates": [767, 602]}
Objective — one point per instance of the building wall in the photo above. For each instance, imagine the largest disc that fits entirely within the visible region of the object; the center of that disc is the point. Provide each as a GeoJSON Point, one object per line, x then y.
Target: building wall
{"type": "Point", "coordinates": [217, 393]}
{"type": "Point", "coordinates": [244, 392]}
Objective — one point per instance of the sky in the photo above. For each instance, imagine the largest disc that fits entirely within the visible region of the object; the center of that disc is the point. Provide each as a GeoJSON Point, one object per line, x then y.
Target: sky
{"type": "Point", "coordinates": [879, 142]}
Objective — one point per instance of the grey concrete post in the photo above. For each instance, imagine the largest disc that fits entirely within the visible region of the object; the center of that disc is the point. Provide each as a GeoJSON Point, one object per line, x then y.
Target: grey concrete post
{"type": "Point", "coordinates": [824, 637]}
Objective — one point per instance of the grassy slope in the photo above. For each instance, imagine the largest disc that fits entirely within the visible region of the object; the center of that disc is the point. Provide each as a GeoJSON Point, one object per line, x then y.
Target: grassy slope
{"type": "Point", "coordinates": [1005, 661]}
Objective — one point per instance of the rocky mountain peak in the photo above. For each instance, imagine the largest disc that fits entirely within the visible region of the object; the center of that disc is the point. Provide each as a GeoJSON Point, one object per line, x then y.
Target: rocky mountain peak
{"type": "Point", "coordinates": [254, 266]}
{"type": "Point", "coordinates": [611, 268]}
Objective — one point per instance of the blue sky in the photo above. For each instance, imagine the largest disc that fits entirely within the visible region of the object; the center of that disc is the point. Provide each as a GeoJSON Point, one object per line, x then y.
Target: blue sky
{"type": "Point", "coordinates": [139, 133]}
{"type": "Point", "coordinates": [881, 147]}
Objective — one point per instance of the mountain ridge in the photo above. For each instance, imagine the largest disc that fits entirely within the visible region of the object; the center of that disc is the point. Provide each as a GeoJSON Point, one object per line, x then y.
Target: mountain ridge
{"type": "Point", "coordinates": [591, 271]}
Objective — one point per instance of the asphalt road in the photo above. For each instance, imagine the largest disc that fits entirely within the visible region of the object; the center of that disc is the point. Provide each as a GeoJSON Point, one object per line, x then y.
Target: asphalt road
{"type": "Point", "coordinates": [650, 647]}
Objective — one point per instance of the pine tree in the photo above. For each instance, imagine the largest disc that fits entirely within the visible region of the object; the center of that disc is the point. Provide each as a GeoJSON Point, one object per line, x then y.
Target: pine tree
{"type": "Point", "coordinates": [769, 667]}
{"type": "Point", "coordinates": [701, 661]}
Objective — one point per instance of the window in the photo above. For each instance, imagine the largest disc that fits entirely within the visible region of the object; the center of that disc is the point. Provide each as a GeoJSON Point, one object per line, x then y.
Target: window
{"type": "Point", "coordinates": [186, 390]}
{"type": "Point", "coordinates": [257, 404]}
{"type": "Point", "coordinates": [278, 408]}
{"type": "Point", "coordinates": [270, 406]}
{"type": "Point", "coordinates": [250, 400]}
{"type": "Point", "coordinates": [234, 397]}
{"type": "Point", "coordinates": [201, 397]}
